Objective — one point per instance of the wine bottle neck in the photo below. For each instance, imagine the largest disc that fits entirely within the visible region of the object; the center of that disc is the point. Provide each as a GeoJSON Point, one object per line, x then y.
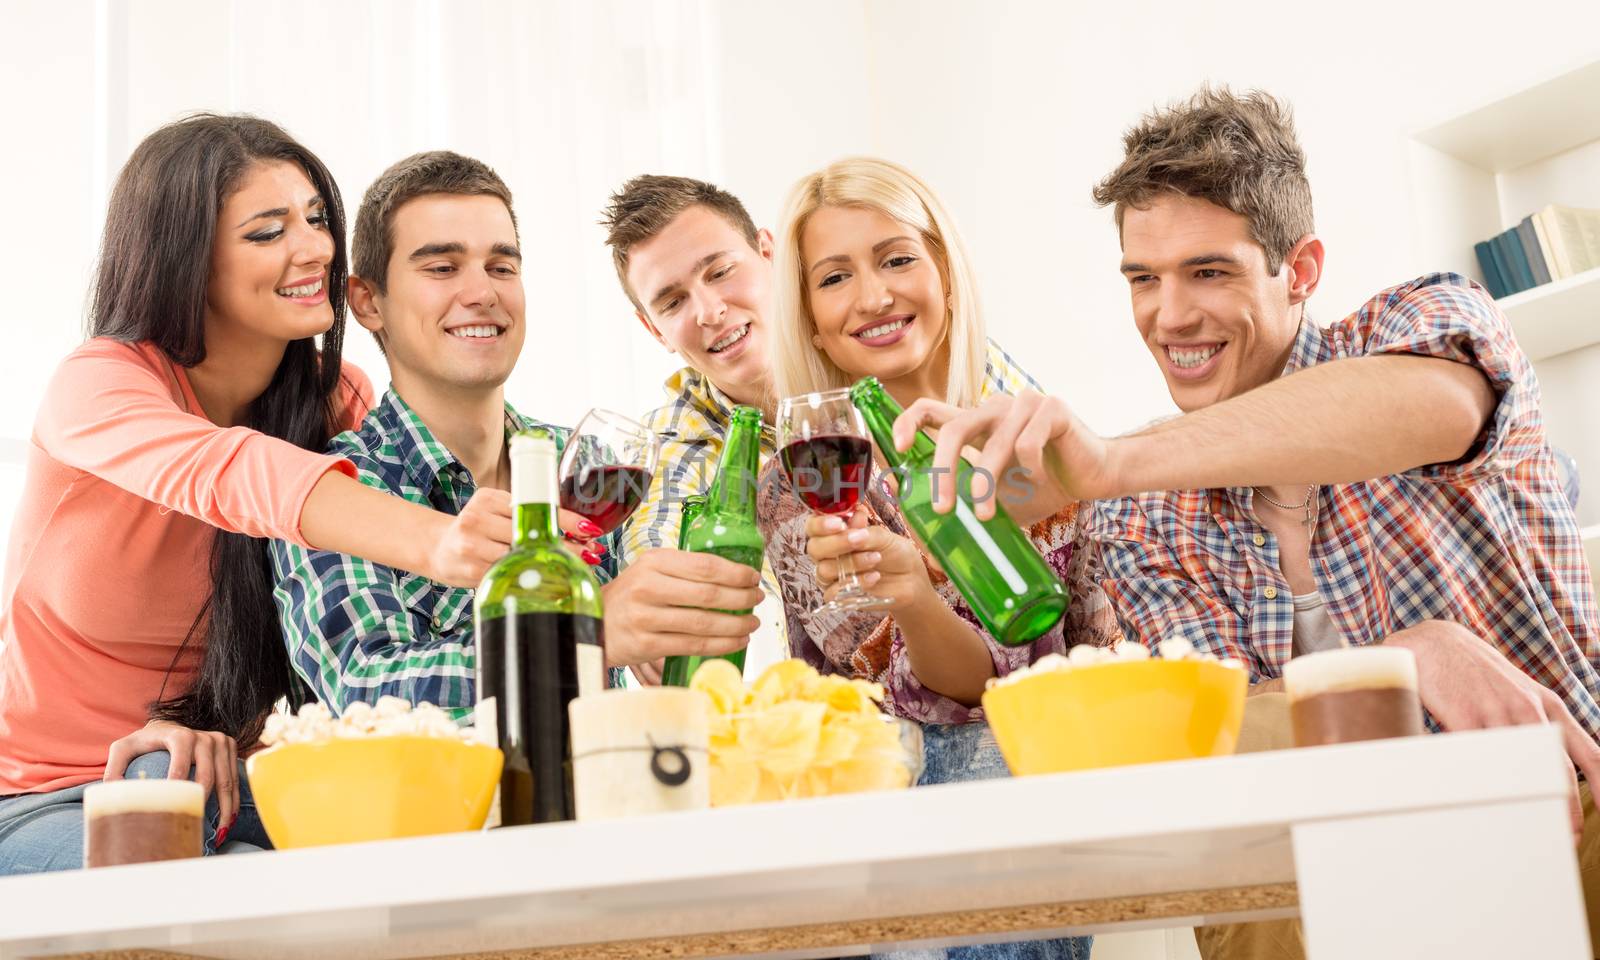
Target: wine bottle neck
{"type": "Point", "coordinates": [535, 522]}
{"type": "Point", "coordinates": [533, 491]}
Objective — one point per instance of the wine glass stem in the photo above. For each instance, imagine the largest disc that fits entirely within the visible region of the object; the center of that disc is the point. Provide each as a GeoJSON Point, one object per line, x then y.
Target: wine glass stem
{"type": "Point", "coordinates": [849, 583]}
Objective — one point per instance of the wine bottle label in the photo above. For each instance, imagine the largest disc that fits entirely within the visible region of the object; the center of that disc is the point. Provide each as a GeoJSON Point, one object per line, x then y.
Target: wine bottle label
{"type": "Point", "coordinates": [485, 723]}
{"type": "Point", "coordinates": [488, 733]}
{"type": "Point", "coordinates": [591, 668]}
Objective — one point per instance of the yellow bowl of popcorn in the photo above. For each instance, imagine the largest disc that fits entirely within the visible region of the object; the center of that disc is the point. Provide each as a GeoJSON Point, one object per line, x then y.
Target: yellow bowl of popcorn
{"type": "Point", "coordinates": [353, 788]}
{"type": "Point", "coordinates": [1117, 712]}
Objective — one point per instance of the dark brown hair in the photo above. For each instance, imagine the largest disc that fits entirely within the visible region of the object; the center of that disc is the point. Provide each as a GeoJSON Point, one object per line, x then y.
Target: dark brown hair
{"type": "Point", "coordinates": [421, 174]}
{"type": "Point", "coordinates": [154, 268]}
{"type": "Point", "coordinates": [1239, 152]}
{"type": "Point", "coordinates": [645, 205]}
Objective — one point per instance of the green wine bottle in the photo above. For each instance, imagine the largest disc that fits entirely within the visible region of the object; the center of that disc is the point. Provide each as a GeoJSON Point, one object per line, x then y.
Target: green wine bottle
{"type": "Point", "coordinates": [726, 525]}
{"type": "Point", "coordinates": [992, 562]}
{"type": "Point", "coordinates": [540, 644]}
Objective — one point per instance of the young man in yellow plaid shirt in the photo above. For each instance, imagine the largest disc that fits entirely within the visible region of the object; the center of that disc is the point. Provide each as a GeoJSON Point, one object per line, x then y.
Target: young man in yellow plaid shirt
{"type": "Point", "coordinates": [698, 272]}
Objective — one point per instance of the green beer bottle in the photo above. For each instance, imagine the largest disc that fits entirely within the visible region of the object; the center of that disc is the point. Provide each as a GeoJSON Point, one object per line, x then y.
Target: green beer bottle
{"type": "Point", "coordinates": [726, 524]}
{"type": "Point", "coordinates": [540, 644]}
{"type": "Point", "coordinates": [693, 506]}
{"type": "Point", "coordinates": [992, 562]}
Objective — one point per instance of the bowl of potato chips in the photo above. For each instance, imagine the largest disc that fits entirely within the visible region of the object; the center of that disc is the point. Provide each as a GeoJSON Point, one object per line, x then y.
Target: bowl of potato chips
{"type": "Point", "coordinates": [794, 733]}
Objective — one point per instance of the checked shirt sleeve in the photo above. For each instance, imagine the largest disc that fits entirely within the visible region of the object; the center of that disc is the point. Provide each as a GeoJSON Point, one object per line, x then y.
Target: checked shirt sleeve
{"type": "Point", "coordinates": [352, 637]}
{"type": "Point", "coordinates": [1155, 593]}
{"type": "Point", "coordinates": [1449, 317]}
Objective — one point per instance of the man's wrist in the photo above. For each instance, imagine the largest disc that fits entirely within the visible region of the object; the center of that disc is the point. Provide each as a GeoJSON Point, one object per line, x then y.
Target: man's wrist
{"type": "Point", "coordinates": [1122, 472]}
{"type": "Point", "coordinates": [421, 556]}
{"type": "Point", "coordinates": [1423, 639]}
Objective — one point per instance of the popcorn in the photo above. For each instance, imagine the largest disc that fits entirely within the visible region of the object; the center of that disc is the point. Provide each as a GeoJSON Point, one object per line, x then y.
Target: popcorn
{"type": "Point", "coordinates": [1175, 648]}
{"type": "Point", "coordinates": [389, 717]}
{"type": "Point", "coordinates": [1084, 655]}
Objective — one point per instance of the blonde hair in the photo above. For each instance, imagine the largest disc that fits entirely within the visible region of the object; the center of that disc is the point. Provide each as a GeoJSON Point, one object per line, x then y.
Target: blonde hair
{"type": "Point", "coordinates": [798, 365]}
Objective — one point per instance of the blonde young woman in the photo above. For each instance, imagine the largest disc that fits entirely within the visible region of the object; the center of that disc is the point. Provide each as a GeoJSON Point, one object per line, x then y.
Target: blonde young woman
{"type": "Point", "coordinates": [871, 279]}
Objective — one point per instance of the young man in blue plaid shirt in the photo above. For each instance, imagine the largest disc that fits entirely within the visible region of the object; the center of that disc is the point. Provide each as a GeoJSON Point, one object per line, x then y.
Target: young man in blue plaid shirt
{"type": "Point", "coordinates": [1385, 479]}
{"type": "Point", "coordinates": [437, 278]}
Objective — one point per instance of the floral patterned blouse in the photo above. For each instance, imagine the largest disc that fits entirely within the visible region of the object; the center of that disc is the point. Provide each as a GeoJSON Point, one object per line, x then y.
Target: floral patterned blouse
{"type": "Point", "coordinates": [869, 645]}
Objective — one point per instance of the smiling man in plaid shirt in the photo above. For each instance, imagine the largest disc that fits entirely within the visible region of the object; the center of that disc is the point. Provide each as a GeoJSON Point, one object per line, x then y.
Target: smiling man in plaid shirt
{"type": "Point", "coordinates": [1385, 479]}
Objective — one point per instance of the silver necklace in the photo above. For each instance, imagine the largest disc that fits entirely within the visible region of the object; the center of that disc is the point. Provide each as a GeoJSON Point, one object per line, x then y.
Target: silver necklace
{"type": "Point", "coordinates": [1309, 517]}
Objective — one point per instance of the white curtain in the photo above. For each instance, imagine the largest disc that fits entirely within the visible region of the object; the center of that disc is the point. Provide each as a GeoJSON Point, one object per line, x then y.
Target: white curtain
{"type": "Point", "coordinates": [565, 100]}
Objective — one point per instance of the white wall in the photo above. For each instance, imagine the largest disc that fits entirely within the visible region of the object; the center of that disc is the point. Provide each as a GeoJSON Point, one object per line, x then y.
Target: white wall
{"type": "Point", "coordinates": [565, 100]}
{"type": "Point", "coordinates": [1013, 109]}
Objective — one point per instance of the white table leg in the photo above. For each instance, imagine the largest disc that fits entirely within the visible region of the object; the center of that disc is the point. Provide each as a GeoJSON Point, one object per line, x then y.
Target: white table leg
{"type": "Point", "coordinates": [1492, 882]}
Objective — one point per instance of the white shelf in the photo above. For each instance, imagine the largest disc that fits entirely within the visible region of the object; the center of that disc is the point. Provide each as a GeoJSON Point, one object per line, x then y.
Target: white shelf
{"type": "Point", "coordinates": [1541, 121]}
{"type": "Point", "coordinates": [1557, 317]}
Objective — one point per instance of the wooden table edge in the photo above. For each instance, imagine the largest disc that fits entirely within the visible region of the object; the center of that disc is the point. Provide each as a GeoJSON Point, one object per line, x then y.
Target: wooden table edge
{"type": "Point", "coordinates": [998, 921]}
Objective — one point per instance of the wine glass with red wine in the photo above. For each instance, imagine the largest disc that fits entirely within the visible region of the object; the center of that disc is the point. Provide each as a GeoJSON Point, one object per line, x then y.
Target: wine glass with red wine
{"type": "Point", "coordinates": [825, 451]}
{"type": "Point", "coordinates": [606, 468]}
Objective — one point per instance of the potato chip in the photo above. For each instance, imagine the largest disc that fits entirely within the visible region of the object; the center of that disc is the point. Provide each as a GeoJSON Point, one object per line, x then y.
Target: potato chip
{"type": "Point", "coordinates": [783, 681]}
{"type": "Point", "coordinates": [854, 696]}
{"type": "Point", "coordinates": [784, 737]}
{"type": "Point", "coordinates": [722, 682]}
{"type": "Point", "coordinates": [772, 788]}
{"type": "Point", "coordinates": [733, 781]}
{"type": "Point", "coordinates": [861, 775]}
{"type": "Point", "coordinates": [837, 743]}
{"type": "Point", "coordinates": [795, 733]}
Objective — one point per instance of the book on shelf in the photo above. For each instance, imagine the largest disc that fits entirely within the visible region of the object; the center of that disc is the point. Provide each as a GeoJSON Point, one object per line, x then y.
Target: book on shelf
{"type": "Point", "coordinates": [1502, 262]}
{"type": "Point", "coordinates": [1574, 237]}
{"type": "Point", "coordinates": [1542, 237]}
{"type": "Point", "coordinates": [1552, 244]}
{"type": "Point", "coordinates": [1491, 270]}
{"type": "Point", "coordinates": [1518, 258]}
{"type": "Point", "coordinates": [1531, 251]}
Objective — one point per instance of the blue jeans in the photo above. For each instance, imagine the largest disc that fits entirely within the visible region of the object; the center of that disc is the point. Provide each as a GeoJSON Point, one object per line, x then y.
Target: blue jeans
{"type": "Point", "coordinates": [43, 832]}
{"type": "Point", "coordinates": [956, 753]}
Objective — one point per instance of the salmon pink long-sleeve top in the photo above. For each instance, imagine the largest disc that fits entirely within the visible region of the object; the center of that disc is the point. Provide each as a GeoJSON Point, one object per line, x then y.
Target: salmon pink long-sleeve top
{"type": "Point", "coordinates": [108, 565]}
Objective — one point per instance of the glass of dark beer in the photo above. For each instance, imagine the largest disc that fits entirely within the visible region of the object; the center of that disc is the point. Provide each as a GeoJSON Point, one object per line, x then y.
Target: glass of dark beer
{"type": "Point", "coordinates": [139, 821]}
{"type": "Point", "coordinates": [1356, 693]}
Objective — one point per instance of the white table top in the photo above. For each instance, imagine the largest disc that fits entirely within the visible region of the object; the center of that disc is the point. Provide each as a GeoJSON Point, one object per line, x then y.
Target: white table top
{"type": "Point", "coordinates": [1122, 832]}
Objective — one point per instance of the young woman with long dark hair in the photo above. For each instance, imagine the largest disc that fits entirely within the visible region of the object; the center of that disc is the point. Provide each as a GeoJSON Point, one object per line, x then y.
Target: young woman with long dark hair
{"type": "Point", "coordinates": [136, 621]}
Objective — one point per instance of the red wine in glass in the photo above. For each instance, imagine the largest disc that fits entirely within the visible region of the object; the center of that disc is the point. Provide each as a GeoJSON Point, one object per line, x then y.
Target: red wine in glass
{"type": "Point", "coordinates": [606, 495]}
{"type": "Point", "coordinates": [829, 471]}
{"type": "Point", "coordinates": [824, 449]}
{"type": "Point", "coordinates": [606, 468]}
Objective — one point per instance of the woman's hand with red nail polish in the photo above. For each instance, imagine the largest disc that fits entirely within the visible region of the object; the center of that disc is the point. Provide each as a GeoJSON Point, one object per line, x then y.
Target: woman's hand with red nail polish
{"type": "Point", "coordinates": [581, 532]}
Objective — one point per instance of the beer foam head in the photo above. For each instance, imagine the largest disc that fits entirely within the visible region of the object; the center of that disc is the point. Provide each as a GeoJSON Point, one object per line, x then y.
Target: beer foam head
{"type": "Point", "coordinates": [1353, 668]}
{"type": "Point", "coordinates": [144, 796]}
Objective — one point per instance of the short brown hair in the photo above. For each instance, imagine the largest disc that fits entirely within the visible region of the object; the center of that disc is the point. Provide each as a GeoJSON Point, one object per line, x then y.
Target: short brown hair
{"type": "Point", "coordinates": [421, 174]}
{"type": "Point", "coordinates": [645, 205]}
{"type": "Point", "coordinates": [1239, 152]}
